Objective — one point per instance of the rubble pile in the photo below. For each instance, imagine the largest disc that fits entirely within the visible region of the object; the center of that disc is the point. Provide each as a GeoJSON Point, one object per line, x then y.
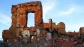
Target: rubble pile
{"type": "Point", "coordinates": [45, 42]}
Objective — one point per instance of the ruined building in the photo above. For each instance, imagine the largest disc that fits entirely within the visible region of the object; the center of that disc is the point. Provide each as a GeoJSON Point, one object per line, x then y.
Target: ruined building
{"type": "Point", "coordinates": [19, 19]}
{"type": "Point", "coordinates": [79, 33]}
{"type": "Point", "coordinates": [19, 29]}
{"type": "Point", "coordinates": [19, 33]}
{"type": "Point", "coordinates": [60, 27]}
{"type": "Point", "coordinates": [82, 30]}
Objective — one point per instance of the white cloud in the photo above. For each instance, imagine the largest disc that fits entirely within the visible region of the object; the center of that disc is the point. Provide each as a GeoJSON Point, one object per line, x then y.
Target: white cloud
{"type": "Point", "coordinates": [4, 19]}
{"type": "Point", "coordinates": [46, 9]}
{"type": "Point", "coordinates": [47, 6]}
{"type": "Point", "coordinates": [68, 12]}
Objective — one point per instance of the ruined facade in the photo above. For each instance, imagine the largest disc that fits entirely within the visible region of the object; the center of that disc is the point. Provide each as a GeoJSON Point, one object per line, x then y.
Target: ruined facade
{"type": "Point", "coordinates": [41, 33]}
{"type": "Point", "coordinates": [19, 20]}
{"type": "Point", "coordinates": [60, 27]}
{"type": "Point", "coordinates": [19, 28]}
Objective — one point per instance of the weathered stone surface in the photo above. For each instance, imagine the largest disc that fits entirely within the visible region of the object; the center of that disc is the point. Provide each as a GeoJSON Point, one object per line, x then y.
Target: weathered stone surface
{"type": "Point", "coordinates": [72, 33]}
{"type": "Point", "coordinates": [82, 30]}
{"type": "Point", "coordinates": [14, 9]}
{"type": "Point", "coordinates": [61, 28]}
{"type": "Point", "coordinates": [19, 19]}
{"type": "Point", "coordinates": [42, 33]}
{"type": "Point", "coordinates": [6, 33]}
{"type": "Point", "coordinates": [46, 25]}
{"type": "Point", "coordinates": [51, 25]}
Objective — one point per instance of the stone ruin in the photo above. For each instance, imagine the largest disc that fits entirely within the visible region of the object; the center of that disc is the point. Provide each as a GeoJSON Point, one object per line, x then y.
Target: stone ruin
{"type": "Point", "coordinates": [20, 32]}
{"type": "Point", "coordinates": [19, 22]}
{"type": "Point", "coordinates": [82, 30]}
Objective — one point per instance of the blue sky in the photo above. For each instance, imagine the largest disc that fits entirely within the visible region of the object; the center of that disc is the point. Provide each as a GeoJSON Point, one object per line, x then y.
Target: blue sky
{"type": "Point", "coordinates": [71, 12]}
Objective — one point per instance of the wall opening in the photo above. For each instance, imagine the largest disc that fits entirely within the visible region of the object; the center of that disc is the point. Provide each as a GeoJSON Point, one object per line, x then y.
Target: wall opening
{"type": "Point", "coordinates": [30, 20]}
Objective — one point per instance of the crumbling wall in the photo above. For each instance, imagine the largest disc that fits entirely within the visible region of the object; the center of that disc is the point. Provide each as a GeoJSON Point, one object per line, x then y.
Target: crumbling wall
{"type": "Point", "coordinates": [61, 28]}
{"type": "Point", "coordinates": [20, 11]}
{"type": "Point", "coordinates": [81, 30]}
{"type": "Point", "coordinates": [19, 18]}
